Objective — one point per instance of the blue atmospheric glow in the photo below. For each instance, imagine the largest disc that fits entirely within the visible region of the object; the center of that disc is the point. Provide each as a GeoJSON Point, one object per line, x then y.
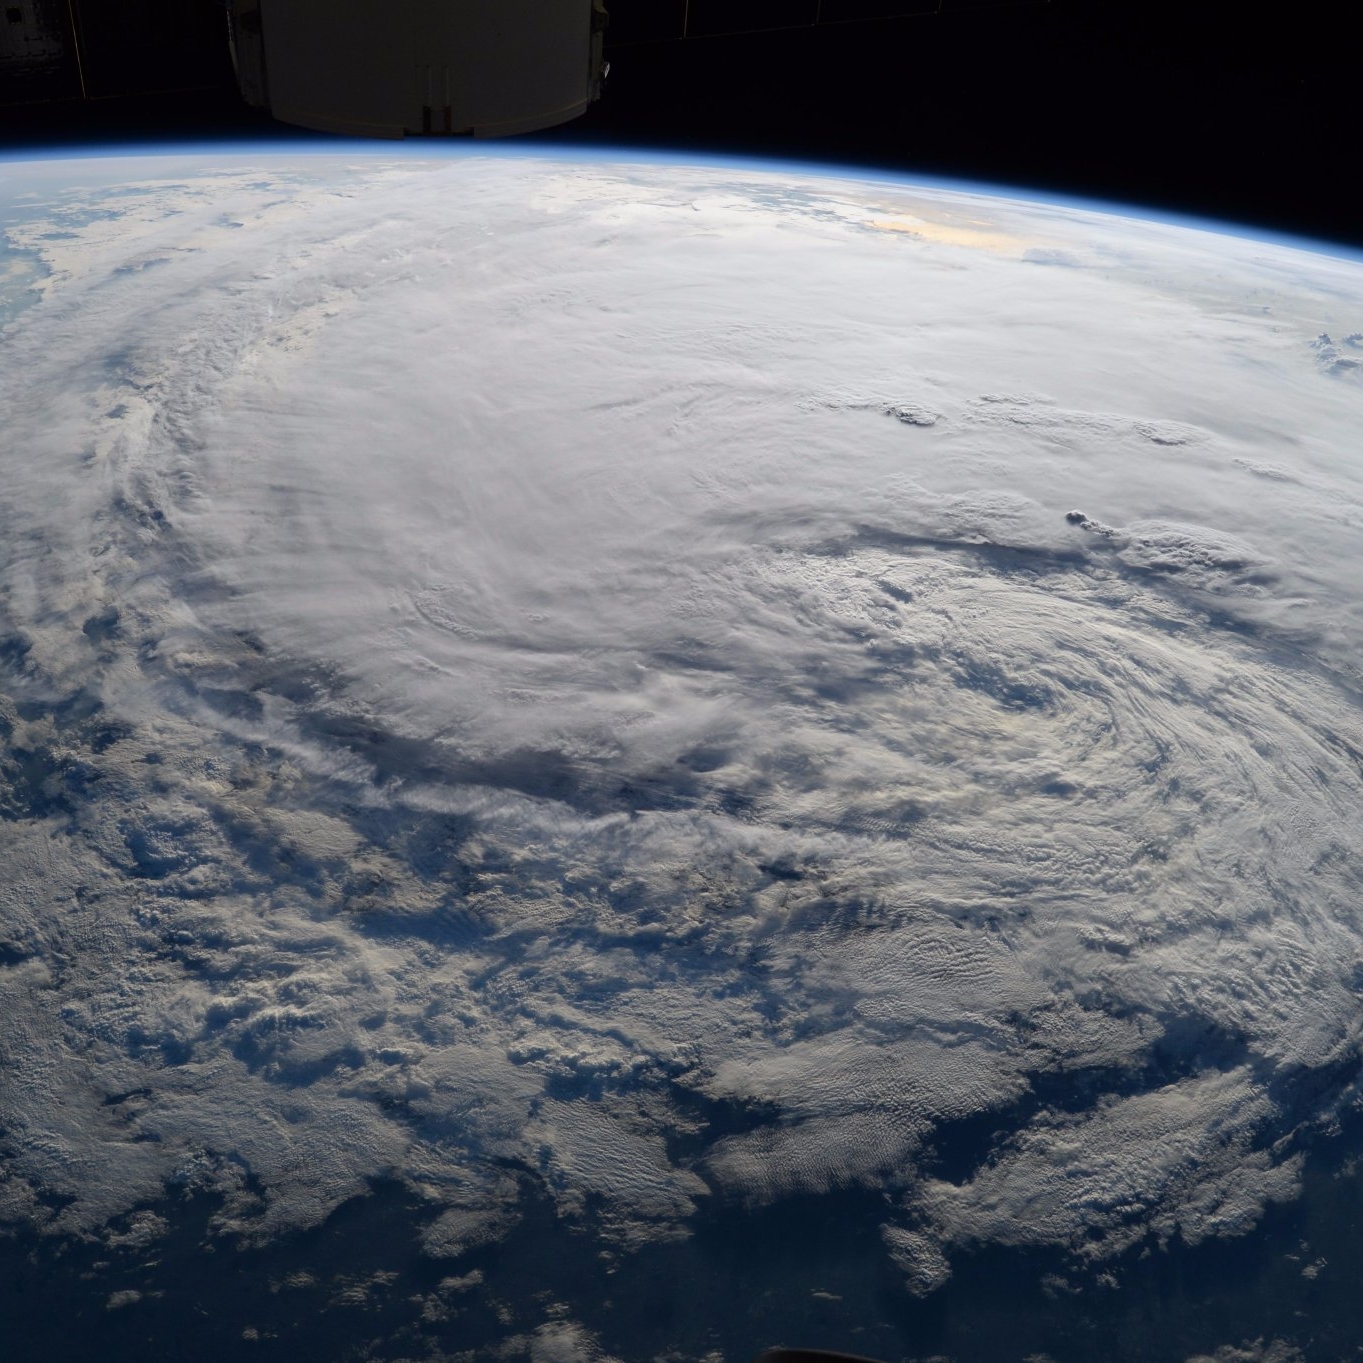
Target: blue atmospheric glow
{"type": "Point", "coordinates": [299, 144]}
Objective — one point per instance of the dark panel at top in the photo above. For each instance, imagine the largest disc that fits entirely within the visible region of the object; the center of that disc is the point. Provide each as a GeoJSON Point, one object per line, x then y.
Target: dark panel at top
{"type": "Point", "coordinates": [644, 21]}
{"type": "Point", "coordinates": [655, 21]}
{"type": "Point", "coordinates": [146, 45]}
{"type": "Point", "coordinates": [711, 18]}
{"type": "Point", "coordinates": [850, 11]}
{"type": "Point", "coordinates": [950, 6]}
{"type": "Point", "coordinates": [37, 56]}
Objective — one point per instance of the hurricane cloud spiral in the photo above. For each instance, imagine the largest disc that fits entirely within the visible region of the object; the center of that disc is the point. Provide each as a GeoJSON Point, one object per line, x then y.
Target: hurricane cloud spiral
{"type": "Point", "coordinates": [675, 684]}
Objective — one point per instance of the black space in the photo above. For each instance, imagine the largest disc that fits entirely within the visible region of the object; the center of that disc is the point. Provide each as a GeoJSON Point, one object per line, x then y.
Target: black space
{"type": "Point", "coordinates": [1209, 108]}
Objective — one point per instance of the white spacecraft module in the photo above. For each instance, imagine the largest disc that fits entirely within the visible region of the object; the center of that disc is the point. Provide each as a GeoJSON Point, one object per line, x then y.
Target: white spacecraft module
{"type": "Point", "coordinates": [410, 68]}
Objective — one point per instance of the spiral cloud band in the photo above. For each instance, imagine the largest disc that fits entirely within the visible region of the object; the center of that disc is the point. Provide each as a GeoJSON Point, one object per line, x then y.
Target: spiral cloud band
{"type": "Point", "coordinates": [675, 684]}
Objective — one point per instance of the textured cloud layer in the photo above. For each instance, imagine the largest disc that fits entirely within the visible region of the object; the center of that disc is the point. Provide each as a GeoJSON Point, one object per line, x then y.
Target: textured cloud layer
{"type": "Point", "coordinates": [673, 683]}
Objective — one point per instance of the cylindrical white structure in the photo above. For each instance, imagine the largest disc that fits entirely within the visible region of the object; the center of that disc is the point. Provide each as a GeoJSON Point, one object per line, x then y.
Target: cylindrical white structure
{"type": "Point", "coordinates": [400, 68]}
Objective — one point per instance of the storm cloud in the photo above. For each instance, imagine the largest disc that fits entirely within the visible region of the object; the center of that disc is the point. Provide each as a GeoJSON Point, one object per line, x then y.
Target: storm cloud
{"type": "Point", "coordinates": [487, 690]}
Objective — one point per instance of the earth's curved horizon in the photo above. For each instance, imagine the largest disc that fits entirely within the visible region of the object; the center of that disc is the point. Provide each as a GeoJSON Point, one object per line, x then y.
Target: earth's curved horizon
{"type": "Point", "coordinates": [622, 758]}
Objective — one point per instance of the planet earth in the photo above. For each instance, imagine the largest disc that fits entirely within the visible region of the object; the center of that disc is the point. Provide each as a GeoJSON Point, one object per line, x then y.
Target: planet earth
{"type": "Point", "coordinates": [612, 757]}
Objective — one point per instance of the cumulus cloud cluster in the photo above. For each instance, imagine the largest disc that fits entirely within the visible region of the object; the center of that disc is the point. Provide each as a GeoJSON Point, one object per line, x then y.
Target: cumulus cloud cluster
{"type": "Point", "coordinates": [490, 697]}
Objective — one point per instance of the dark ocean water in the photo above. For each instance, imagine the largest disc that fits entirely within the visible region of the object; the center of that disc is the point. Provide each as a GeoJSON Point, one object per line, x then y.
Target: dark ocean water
{"type": "Point", "coordinates": [808, 1271]}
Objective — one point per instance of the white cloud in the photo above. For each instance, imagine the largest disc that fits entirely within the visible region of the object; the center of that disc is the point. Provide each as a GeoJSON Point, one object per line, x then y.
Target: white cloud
{"type": "Point", "coordinates": [1176, 1160]}
{"type": "Point", "coordinates": [1253, 1351]}
{"type": "Point", "coordinates": [478, 702]}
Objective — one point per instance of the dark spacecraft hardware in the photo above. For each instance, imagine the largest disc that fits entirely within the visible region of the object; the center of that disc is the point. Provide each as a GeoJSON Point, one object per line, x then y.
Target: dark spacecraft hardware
{"type": "Point", "coordinates": [419, 67]}
{"type": "Point", "coordinates": [402, 68]}
{"type": "Point", "coordinates": [473, 68]}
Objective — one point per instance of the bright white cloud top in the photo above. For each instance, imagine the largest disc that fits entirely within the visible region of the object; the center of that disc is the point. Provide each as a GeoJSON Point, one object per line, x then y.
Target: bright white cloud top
{"type": "Point", "coordinates": [508, 659]}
